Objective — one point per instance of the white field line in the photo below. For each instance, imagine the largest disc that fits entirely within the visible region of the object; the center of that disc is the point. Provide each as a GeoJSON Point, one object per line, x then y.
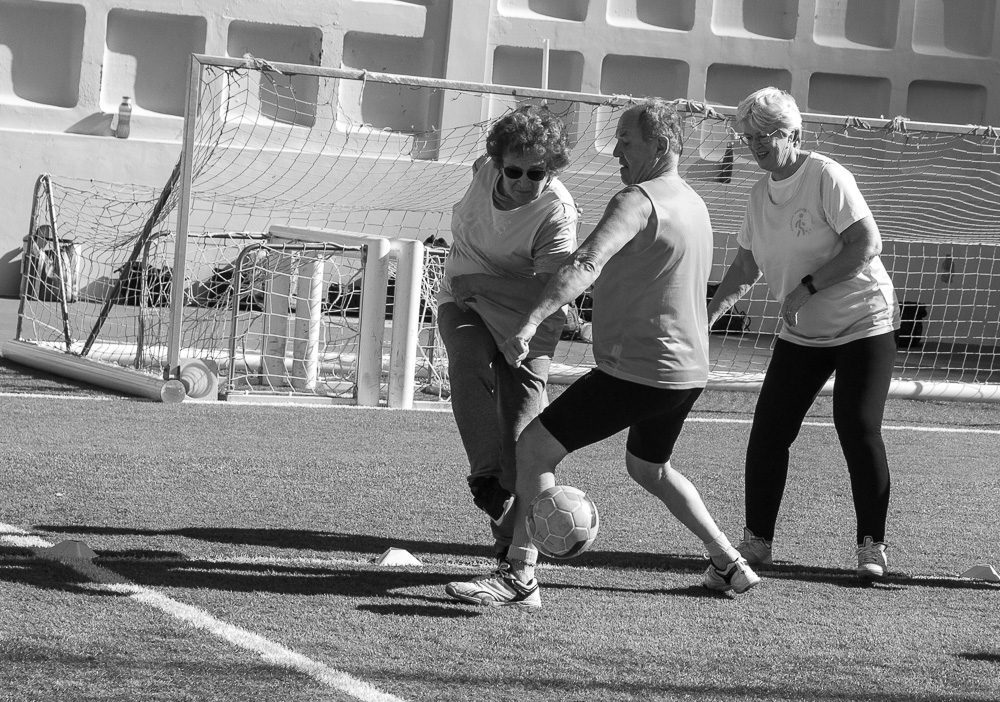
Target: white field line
{"type": "Point", "coordinates": [270, 651]}
{"type": "Point", "coordinates": [447, 408]}
{"type": "Point", "coordinates": [885, 427]}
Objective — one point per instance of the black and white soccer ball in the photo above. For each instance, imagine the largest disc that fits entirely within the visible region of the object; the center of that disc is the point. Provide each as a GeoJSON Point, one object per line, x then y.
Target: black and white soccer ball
{"type": "Point", "coordinates": [562, 521]}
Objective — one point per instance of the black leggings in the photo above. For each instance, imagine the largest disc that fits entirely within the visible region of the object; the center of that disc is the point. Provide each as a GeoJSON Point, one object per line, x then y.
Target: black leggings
{"type": "Point", "coordinates": [794, 378]}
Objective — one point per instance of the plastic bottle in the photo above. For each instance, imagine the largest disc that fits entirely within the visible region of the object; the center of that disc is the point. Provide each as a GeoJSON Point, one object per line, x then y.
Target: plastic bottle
{"type": "Point", "coordinates": [124, 118]}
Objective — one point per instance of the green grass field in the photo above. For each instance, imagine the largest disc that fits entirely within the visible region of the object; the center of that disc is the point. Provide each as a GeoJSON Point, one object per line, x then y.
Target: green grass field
{"type": "Point", "coordinates": [236, 545]}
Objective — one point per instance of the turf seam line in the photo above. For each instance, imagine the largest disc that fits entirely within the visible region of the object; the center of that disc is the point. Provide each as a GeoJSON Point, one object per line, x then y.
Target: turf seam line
{"type": "Point", "coordinates": [269, 651]}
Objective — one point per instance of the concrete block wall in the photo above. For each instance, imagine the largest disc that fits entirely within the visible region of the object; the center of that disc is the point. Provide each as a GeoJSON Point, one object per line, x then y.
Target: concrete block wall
{"type": "Point", "coordinates": [65, 65]}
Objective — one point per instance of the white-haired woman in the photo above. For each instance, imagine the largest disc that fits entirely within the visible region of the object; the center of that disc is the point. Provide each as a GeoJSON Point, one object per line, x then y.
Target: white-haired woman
{"type": "Point", "coordinates": [809, 232]}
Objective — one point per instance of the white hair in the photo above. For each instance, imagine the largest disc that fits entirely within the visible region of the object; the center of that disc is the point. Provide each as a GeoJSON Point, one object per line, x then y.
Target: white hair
{"type": "Point", "coordinates": [768, 109]}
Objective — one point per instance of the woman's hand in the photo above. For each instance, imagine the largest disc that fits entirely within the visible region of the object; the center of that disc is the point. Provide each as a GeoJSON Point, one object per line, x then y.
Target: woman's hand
{"type": "Point", "coordinates": [793, 303]}
{"type": "Point", "coordinates": [515, 348]}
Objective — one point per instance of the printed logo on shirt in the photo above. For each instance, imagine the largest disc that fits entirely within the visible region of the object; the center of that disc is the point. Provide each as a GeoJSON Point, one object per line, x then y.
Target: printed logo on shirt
{"type": "Point", "coordinates": [802, 224]}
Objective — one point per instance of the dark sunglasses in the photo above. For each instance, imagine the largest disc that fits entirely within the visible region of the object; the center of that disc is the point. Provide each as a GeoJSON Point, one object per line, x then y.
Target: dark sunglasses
{"type": "Point", "coordinates": [515, 173]}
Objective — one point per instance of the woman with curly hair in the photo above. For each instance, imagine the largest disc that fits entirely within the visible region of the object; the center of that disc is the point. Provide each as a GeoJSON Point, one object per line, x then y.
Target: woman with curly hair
{"type": "Point", "coordinates": [513, 228]}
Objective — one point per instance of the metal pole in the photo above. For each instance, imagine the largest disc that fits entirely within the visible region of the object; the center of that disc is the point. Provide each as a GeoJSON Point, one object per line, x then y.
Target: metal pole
{"type": "Point", "coordinates": [173, 369]}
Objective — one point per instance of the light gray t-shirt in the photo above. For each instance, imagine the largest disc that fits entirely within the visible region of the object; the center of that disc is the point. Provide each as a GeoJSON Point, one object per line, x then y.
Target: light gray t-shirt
{"type": "Point", "coordinates": [534, 238]}
{"type": "Point", "coordinates": [650, 319]}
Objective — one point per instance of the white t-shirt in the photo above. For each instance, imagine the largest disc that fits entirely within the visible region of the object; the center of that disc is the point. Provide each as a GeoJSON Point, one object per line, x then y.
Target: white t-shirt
{"type": "Point", "coordinates": [792, 227]}
{"type": "Point", "coordinates": [533, 238]}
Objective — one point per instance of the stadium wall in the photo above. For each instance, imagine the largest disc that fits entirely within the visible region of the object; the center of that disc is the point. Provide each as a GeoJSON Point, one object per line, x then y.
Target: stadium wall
{"type": "Point", "coordinates": [64, 66]}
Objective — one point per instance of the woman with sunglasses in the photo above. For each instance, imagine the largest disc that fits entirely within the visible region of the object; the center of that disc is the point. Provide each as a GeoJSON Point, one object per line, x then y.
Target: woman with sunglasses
{"type": "Point", "coordinates": [512, 229]}
{"type": "Point", "coordinates": [810, 233]}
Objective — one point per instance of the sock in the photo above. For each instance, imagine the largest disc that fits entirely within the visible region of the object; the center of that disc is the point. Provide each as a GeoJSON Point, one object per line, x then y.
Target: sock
{"type": "Point", "coordinates": [522, 562]}
{"type": "Point", "coordinates": [721, 551]}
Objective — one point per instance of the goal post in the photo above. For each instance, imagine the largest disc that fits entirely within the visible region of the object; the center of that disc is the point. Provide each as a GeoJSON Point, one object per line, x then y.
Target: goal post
{"type": "Point", "coordinates": [301, 244]}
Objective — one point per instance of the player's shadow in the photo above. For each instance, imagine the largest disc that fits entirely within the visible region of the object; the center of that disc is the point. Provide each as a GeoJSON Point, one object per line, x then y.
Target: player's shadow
{"type": "Point", "coordinates": [167, 569]}
{"type": "Point", "coordinates": [298, 539]}
{"type": "Point", "coordinates": [445, 611]}
{"type": "Point", "coordinates": [332, 543]}
{"type": "Point", "coordinates": [981, 656]}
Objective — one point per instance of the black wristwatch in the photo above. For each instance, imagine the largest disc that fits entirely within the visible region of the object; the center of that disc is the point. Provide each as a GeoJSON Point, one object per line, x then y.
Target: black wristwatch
{"type": "Point", "coordinates": [808, 282]}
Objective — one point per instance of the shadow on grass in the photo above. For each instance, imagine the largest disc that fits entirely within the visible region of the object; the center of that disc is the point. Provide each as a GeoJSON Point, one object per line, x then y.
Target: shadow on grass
{"type": "Point", "coordinates": [23, 566]}
{"type": "Point", "coordinates": [302, 539]}
{"type": "Point", "coordinates": [409, 610]}
{"type": "Point", "coordinates": [981, 656]}
{"type": "Point", "coordinates": [847, 578]}
{"type": "Point", "coordinates": [364, 544]}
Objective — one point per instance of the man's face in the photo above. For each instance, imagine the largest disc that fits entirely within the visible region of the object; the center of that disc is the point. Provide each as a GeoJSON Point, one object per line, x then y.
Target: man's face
{"type": "Point", "coordinates": [637, 156]}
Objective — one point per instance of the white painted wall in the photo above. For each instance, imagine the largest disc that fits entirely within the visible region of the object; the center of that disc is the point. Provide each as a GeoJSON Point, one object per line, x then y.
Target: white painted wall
{"type": "Point", "coordinates": [64, 65]}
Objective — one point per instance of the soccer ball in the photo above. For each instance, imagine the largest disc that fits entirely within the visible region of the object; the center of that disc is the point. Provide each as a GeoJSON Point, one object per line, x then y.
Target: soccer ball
{"type": "Point", "coordinates": [562, 521]}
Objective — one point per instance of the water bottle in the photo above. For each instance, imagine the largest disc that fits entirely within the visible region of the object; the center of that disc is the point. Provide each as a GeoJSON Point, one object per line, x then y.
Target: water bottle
{"type": "Point", "coordinates": [124, 118]}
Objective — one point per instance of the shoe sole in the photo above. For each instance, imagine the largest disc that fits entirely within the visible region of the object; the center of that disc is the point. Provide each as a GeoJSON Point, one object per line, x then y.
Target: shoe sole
{"type": "Point", "coordinates": [871, 573]}
{"type": "Point", "coordinates": [750, 585]}
{"type": "Point", "coordinates": [730, 588]}
{"type": "Point", "coordinates": [489, 602]}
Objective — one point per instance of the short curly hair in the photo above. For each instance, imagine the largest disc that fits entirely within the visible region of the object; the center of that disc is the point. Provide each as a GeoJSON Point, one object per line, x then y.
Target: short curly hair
{"type": "Point", "coordinates": [530, 130]}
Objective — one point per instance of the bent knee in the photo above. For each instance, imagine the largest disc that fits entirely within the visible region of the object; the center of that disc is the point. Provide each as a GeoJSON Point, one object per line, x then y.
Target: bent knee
{"type": "Point", "coordinates": [645, 473]}
{"type": "Point", "coordinates": [537, 450]}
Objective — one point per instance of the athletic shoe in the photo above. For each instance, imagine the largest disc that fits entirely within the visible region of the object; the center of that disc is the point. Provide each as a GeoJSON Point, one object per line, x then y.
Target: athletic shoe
{"type": "Point", "coordinates": [754, 549]}
{"type": "Point", "coordinates": [872, 562]}
{"type": "Point", "coordinates": [498, 589]}
{"type": "Point", "coordinates": [738, 577]}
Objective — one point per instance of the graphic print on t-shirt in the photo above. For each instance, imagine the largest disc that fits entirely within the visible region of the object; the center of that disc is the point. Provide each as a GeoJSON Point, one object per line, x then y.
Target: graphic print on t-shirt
{"type": "Point", "coordinates": [802, 223]}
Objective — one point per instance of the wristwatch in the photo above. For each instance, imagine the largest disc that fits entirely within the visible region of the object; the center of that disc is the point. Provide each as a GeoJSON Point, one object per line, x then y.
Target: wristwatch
{"type": "Point", "coordinates": [808, 282]}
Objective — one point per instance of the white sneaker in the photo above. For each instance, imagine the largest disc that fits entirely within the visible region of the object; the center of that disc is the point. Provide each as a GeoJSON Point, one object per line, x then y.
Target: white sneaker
{"type": "Point", "coordinates": [754, 549]}
{"type": "Point", "coordinates": [738, 577]}
{"type": "Point", "coordinates": [872, 562]}
{"type": "Point", "coordinates": [498, 589]}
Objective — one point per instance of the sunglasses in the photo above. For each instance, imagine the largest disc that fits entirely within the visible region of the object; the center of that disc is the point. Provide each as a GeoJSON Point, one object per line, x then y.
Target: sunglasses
{"type": "Point", "coordinates": [515, 173]}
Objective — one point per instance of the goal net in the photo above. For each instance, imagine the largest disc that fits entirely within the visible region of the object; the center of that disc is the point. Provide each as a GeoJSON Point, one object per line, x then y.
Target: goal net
{"type": "Point", "coordinates": [360, 163]}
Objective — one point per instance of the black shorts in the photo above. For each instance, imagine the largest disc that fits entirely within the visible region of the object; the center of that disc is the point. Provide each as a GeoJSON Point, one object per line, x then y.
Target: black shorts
{"type": "Point", "coordinates": [599, 405]}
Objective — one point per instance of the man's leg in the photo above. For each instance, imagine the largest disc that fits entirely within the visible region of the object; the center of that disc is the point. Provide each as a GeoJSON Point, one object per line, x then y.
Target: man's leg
{"type": "Point", "coordinates": [679, 496]}
{"type": "Point", "coordinates": [650, 445]}
{"type": "Point", "coordinates": [728, 570]}
{"type": "Point", "coordinates": [538, 454]}
{"type": "Point", "coordinates": [520, 397]}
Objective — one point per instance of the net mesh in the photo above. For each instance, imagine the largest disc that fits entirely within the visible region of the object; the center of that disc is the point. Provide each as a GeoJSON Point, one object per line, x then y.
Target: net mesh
{"type": "Point", "coordinates": [390, 157]}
